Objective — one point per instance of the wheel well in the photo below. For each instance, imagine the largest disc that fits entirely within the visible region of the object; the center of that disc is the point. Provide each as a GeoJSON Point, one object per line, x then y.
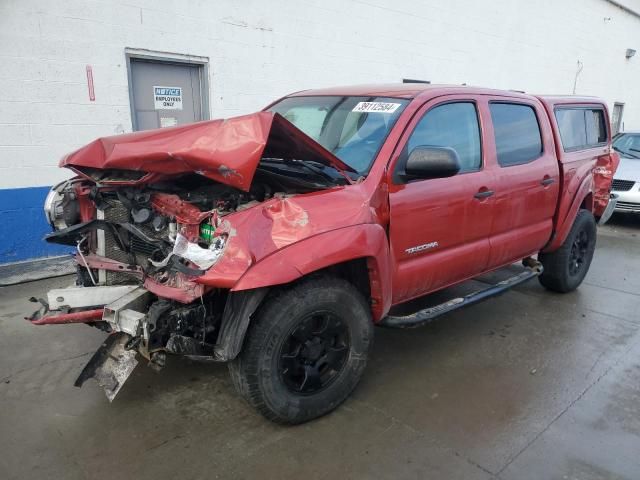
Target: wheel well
{"type": "Point", "coordinates": [362, 273]}
{"type": "Point", "coordinates": [355, 272]}
{"type": "Point", "coordinates": [241, 305]}
{"type": "Point", "coordinates": [587, 203]}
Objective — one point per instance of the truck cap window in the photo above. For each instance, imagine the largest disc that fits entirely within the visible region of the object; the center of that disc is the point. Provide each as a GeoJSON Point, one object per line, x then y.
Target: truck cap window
{"type": "Point", "coordinates": [580, 127]}
{"type": "Point", "coordinates": [352, 128]}
{"type": "Point", "coordinates": [452, 125]}
{"type": "Point", "coordinates": [517, 133]}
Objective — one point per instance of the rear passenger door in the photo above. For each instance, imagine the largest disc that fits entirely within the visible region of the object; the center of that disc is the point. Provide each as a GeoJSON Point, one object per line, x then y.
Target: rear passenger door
{"type": "Point", "coordinates": [527, 179]}
{"type": "Point", "coordinates": [439, 228]}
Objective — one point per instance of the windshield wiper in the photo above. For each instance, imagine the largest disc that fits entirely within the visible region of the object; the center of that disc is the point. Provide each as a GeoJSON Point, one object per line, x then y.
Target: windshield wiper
{"type": "Point", "coordinates": [625, 152]}
{"type": "Point", "coordinates": [313, 166]}
{"type": "Point", "coordinates": [308, 164]}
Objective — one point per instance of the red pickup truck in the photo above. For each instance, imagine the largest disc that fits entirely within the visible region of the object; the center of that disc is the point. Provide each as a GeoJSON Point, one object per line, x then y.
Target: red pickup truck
{"type": "Point", "coordinates": [276, 241]}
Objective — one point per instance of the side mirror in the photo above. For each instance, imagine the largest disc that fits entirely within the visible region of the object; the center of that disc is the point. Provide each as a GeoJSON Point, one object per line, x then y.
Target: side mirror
{"type": "Point", "coordinates": [432, 162]}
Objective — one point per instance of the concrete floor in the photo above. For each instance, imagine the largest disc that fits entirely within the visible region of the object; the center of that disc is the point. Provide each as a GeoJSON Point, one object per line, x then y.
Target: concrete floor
{"type": "Point", "coordinates": [529, 385]}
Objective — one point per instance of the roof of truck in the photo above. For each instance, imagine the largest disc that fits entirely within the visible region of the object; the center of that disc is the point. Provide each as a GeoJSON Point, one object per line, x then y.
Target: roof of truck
{"type": "Point", "coordinates": [412, 90]}
{"type": "Point", "coordinates": [400, 90]}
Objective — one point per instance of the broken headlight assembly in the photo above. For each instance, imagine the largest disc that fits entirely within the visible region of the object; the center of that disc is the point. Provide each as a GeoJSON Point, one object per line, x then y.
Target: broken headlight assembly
{"type": "Point", "coordinates": [61, 207]}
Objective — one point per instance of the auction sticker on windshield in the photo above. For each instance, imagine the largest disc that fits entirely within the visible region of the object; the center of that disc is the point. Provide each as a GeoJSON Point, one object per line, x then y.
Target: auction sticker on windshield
{"type": "Point", "coordinates": [379, 107]}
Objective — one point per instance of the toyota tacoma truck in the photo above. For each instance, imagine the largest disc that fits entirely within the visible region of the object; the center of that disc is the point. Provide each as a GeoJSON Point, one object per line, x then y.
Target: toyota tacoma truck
{"type": "Point", "coordinates": [276, 241]}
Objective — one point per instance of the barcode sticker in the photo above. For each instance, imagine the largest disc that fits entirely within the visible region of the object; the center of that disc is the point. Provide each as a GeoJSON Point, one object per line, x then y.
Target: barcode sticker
{"type": "Point", "coordinates": [377, 107]}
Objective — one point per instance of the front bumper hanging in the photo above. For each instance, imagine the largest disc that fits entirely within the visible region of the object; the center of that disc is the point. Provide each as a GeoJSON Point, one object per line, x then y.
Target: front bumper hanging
{"type": "Point", "coordinates": [123, 312]}
{"type": "Point", "coordinates": [111, 365]}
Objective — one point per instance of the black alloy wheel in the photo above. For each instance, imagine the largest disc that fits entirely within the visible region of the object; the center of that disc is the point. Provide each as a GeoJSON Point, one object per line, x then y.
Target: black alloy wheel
{"type": "Point", "coordinates": [578, 255]}
{"type": "Point", "coordinates": [566, 267]}
{"type": "Point", "coordinates": [314, 353]}
{"type": "Point", "coordinates": [306, 349]}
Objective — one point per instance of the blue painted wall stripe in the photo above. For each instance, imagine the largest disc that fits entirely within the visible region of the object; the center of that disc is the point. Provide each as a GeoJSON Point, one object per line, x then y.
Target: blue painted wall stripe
{"type": "Point", "coordinates": [23, 225]}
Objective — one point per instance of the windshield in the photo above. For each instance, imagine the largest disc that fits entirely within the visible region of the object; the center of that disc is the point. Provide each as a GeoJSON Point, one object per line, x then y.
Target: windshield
{"type": "Point", "coordinates": [628, 145]}
{"type": "Point", "coordinates": [352, 128]}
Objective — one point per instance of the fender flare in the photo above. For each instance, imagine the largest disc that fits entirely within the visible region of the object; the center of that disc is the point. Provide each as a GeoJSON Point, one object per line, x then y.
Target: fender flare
{"type": "Point", "coordinates": [324, 250]}
{"type": "Point", "coordinates": [564, 226]}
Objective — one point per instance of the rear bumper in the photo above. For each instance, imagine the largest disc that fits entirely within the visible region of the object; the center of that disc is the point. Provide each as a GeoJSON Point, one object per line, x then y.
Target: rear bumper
{"type": "Point", "coordinates": [608, 211]}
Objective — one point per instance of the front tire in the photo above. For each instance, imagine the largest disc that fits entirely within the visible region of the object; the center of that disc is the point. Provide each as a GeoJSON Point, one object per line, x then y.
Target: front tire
{"type": "Point", "coordinates": [305, 351]}
{"type": "Point", "coordinates": [565, 269]}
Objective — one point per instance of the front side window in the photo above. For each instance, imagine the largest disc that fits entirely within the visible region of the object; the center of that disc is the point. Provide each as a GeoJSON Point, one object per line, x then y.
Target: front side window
{"type": "Point", "coordinates": [581, 128]}
{"type": "Point", "coordinates": [517, 133]}
{"type": "Point", "coordinates": [352, 128]}
{"type": "Point", "coordinates": [452, 125]}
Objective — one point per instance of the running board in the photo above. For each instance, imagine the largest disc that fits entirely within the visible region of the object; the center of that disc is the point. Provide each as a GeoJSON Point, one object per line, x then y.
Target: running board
{"type": "Point", "coordinates": [422, 317]}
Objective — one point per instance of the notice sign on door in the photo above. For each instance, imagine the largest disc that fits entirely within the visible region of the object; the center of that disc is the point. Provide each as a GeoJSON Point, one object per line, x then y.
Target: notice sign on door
{"type": "Point", "coordinates": [167, 98]}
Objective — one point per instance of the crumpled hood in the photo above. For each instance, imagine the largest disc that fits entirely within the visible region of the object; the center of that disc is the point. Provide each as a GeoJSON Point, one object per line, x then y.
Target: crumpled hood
{"type": "Point", "coordinates": [227, 151]}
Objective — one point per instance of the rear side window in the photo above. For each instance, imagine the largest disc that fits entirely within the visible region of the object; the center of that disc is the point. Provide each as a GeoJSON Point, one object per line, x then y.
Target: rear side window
{"type": "Point", "coordinates": [517, 133]}
{"type": "Point", "coordinates": [581, 128]}
{"type": "Point", "coordinates": [452, 125]}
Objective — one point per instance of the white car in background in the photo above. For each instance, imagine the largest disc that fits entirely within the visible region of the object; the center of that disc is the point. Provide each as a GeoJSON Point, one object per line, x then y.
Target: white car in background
{"type": "Point", "coordinates": [626, 181]}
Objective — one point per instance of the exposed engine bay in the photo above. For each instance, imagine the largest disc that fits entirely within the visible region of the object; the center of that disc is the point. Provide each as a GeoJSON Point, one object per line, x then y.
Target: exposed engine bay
{"type": "Point", "coordinates": [139, 248]}
{"type": "Point", "coordinates": [155, 229]}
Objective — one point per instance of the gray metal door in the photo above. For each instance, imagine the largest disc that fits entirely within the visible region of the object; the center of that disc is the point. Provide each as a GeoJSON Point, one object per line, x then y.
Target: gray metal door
{"type": "Point", "coordinates": [165, 94]}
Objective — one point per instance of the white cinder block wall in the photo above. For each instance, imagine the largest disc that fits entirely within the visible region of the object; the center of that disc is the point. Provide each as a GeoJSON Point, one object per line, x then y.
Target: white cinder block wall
{"type": "Point", "coordinates": [260, 50]}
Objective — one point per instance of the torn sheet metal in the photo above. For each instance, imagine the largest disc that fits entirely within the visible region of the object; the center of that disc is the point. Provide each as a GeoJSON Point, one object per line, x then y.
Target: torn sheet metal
{"type": "Point", "coordinates": [603, 172]}
{"type": "Point", "coordinates": [227, 151]}
{"type": "Point", "coordinates": [111, 365]}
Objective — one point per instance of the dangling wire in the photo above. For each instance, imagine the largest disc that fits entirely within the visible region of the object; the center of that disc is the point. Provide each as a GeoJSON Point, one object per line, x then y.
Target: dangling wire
{"type": "Point", "coordinates": [84, 260]}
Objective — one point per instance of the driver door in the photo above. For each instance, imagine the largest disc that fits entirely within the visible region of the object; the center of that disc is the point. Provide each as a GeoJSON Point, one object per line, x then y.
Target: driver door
{"type": "Point", "coordinates": [439, 228]}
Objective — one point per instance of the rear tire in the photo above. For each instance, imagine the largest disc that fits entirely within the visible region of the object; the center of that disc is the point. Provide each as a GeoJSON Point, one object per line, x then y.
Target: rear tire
{"type": "Point", "coordinates": [565, 269]}
{"type": "Point", "coordinates": [305, 350]}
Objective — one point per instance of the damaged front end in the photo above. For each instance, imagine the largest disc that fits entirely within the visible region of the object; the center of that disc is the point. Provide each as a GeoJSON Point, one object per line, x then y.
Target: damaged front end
{"type": "Point", "coordinates": [151, 214]}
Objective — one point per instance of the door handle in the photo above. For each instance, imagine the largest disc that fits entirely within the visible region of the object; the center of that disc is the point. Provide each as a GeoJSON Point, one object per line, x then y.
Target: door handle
{"type": "Point", "coordinates": [483, 194]}
{"type": "Point", "coordinates": [547, 181]}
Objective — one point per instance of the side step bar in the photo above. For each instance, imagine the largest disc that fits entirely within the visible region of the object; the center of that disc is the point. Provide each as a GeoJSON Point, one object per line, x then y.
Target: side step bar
{"type": "Point", "coordinates": [422, 317]}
